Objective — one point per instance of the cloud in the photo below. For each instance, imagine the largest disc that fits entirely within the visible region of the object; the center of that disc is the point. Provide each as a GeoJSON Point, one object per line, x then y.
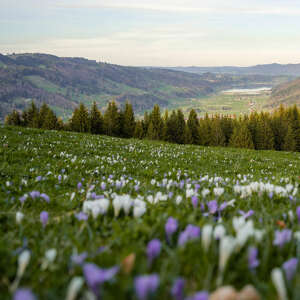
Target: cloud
{"type": "Point", "coordinates": [191, 6]}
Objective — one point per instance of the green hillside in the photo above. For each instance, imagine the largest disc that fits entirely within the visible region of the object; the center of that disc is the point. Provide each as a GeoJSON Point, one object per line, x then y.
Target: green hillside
{"type": "Point", "coordinates": [64, 82]}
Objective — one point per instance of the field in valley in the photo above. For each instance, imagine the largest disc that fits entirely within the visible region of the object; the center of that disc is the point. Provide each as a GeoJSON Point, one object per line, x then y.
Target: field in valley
{"type": "Point", "coordinates": [85, 216]}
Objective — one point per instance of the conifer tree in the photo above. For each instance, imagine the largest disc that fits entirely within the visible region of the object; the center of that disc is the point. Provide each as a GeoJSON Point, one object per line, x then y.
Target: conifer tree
{"type": "Point", "coordinates": [139, 131]}
{"type": "Point", "coordinates": [112, 120]}
{"type": "Point", "coordinates": [193, 126]}
{"type": "Point", "coordinates": [289, 140]}
{"type": "Point", "coordinates": [217, 134]}
{"type": "Point", "coordinates": [241, 137]}
{"type": "Point", "coordinates": [205, 131]}
{"type": "Point", "coordinates": [128, 121]}
{"type": "Point", "coordinates": [96, 120]}
{"type": "Point", "coordinates": [157, 124]}
{"type": "Point", "coordinates": [188, 138]}
{"type": "Point", "coordinates": [42, 115]}
{"type": "Point", "coordinates": [265, 137]}
{"type": "Point", "coordinates": [180, 127]}
{"type": "Point", "coordinates": [50, 121]}
{"type": "Point", "coordinates": [80, 119]}
{"type": "Point", "coordinates": [13, 119]}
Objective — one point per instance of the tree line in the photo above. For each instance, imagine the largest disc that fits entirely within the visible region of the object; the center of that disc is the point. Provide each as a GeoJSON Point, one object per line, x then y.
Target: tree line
{"type": "Point", "coordinates": [277, 130]}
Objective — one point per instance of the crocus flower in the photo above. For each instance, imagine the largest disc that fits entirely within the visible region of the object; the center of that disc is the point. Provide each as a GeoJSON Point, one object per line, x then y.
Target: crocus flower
{"type": "Point", "coordinates": [23, 198]}
{"type": "Point", "coordinates": [207, 232]}
{"type": "Point", "coordinates": [146, 285]}
{"type": "Point", "coordinates": [290, 268]}
{"type": "Point", "coordinates": [74, 287]}
{"type": "Point", "coordinates": [278, 281]}
{"type": "Point", "coordinates": [191, 232]}
{"type": "Point", "coordinates": [24, 294]}
{"type": "Point", "coordinates": [195, 201]}
{"type": "Point", "coordinates": [79, 185]}
{"type": "Point", "coordinates": [171, 227]}
{"type": "Point", "coordinates": [253, 262]}
{"type": "Point", "coordinates": [282, 237]}
{"type": "Point", "coordinates": [96, 276]}
{"type": "Point", "coordinates": [199, 296]}
{"type": "Point", "coordinates": [246, 214]}
{"type": "Point", "coordinates": [78, 259]}
{"type": "Point", "coordinates": [212, 206]}
{"type": "Point", "coordinates": [44, 218]}
{"type": "Point", "coordinates": [81, 216]}
{"type": "Point", "coordinates": [19, 217]}
{"type": "Point", "coordinates": [45, 197]}
{"type": "Point", "coordinates": [35, 194]}
{"type": "Point", "coordinates": [153, 249]}
{"type": "Point", "coordinates": [177, 290]}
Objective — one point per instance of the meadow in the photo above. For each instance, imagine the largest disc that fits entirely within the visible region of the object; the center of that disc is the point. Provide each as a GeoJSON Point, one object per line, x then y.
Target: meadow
{"type": "Point", "coordinates": [94, 217]}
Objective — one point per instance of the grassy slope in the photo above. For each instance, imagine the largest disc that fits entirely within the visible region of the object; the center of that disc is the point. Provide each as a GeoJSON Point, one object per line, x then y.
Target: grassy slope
{"type": "Point", "coordinates": [28, 153]}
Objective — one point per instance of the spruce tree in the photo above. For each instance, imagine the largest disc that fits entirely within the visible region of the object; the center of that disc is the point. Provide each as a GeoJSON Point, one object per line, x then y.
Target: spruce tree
{"type": "Point", "coordinates": [217, 134]}
{"type": "Point", "coordinates": [265, 136]}
{"type": "Point", "coordinates": [50, 121]}
{"type": "Point", "coordinates": [157, 124]}
{"type": "Point", "coordinates": [13, 119]}
{"type": "Point", "coordinates": [139, 131]}
{"type": "Point", "coordinates": [128, 121]}
{"type": "Point", "coordinates": [112, 120]}
{"type": "Point", "coordinates": [80, 119]}
{"type": "Point", "coordinates": [241, 137]}
{"type": "Point", "coordinates": [193, 125]}
{"type": "Point", "coordinates": [96, 120]}
{"type": "Point", "coordinates": [289, 140]}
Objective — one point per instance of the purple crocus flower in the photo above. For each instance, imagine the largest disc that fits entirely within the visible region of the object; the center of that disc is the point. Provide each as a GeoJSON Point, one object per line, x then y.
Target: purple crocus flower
{"type": "Point", "coordinates": [171, 227]}
{"type": "Point", "coordinates": [39, 178]}
{"type": "Point", "coordinates": [96, 276]}
{"type": "Point", "coordinates": [44, 218]}
{"type": "Point", "coordinates": [191, 232]}
{"type": "Point", "coordinates": [223, 206]}
{"type": "Point", "coordinates": [153, 249]}
{"type": "Point", "coordinates": [79, 185]}
{"type": "Point", "coordinates": [253, 262]}
{"type": "Point", "coordinates": [23, 198]}
{"type": "Point", "coordinates": [170, 195]}
{"type": "Point", "coordinates": [59, 178]}
{"type": "Point", "coordinates": [81, 216]}
{"type": "Point", "coordinates": [282, 237]}
{"type": "Point", "coordinates": [181, 184]}
{"type": "Point", "coordinates": [177, 290]}
{"type": "Point", "coordinates": [103, 186]}
{"type": "Point", "coordinates": [199, 296]}
{"type": "Point", "coordinates": [246, 214]}
{"type": "Point", "coordinates": [212, 206]}
{"type": "Point", "coordinates": [146, 285]}
{"type": "Point", "coordinates": [298, 213]}
{"type": "Point", "coordinates": [45, 197]}
{"type": "Point", "coordinates": [79, 259]}
{"type": "Point", "coordinates": [24, 294]}
{"type": "Point", "coordinates": [195, 201]}
{"type": "Point", "coordinates": [35, 194]}
{"type": "Point", "coordinates": [290, 268]}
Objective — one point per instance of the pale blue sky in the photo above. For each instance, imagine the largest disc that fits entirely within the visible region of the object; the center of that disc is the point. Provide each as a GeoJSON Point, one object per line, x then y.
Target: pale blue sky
{"type": "Point", "coordinates": [157, 32]}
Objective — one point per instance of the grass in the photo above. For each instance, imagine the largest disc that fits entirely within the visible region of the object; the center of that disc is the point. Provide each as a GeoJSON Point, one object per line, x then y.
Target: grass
{"type": "Point", "coordinates": [63, 159]}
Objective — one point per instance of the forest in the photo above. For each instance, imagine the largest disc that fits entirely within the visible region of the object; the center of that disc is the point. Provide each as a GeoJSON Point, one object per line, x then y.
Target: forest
{"type": "Point", "coordinates": [277, 130]}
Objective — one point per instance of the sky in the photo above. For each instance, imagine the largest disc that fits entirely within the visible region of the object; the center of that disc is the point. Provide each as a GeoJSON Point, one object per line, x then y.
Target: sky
{"type": "Point", "coordinates": [155, 32]}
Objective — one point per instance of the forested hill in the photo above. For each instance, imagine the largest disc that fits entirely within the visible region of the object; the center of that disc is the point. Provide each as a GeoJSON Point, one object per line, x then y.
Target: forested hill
{"type": "Point", "coordinates": [64, 82]}
{"type": "Point", "coordinates": [286, 93]}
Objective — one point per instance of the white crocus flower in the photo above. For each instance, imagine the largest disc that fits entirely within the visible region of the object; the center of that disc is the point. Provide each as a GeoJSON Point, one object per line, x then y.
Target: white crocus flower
{"type": "Point", "coordinates": [219, 231]}
{"type": "Point", "coordinates": [117, 204]}
{"type": "Point", "coordinates": [74, 288]}
{"type": "Point", "coordinates": [96, 207]}
{"type": "Point", "coordinates": [23, 261]}
{"type": "Point", "coordinates": [50, 256]}
{"type": "Point", "coordinates": [297, 236]}
{"type": "Point", "coordinates": [206, 236]}
{"type": "Point", "coordinates": [178, 199]}
{"type": "Point", "coordinates": [278, 281]}
{"type": "Point", "coordinates": [19, 217]}
{"type": "Point", "coordinates": [205, 192]}
{"type": "Point", "coordinates": [127, 203]}
{"type": "Point", "coordinates": [139, 208]}
{"type": "Point", "coordinates": [218, 191]}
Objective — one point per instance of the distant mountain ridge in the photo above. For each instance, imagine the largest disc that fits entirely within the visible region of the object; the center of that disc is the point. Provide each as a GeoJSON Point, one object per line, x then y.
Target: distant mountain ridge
{"type": "Point", "coordinates": [268, 69]}
{"type": "Point", "coordinates": [64, 82]}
